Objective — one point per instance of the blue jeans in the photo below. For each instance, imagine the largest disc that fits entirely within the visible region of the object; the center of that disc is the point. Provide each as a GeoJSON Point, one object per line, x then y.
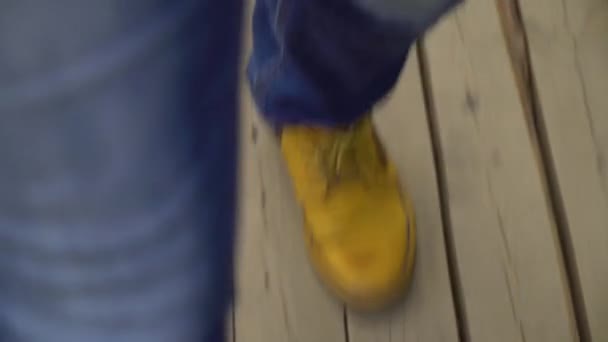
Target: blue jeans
{"type": "Point", "coordinates": [118, 147]}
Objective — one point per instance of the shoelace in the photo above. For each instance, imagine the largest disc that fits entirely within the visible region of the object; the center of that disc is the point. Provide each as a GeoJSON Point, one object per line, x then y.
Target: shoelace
{"type": "Point", "coordinates": [347, 158]}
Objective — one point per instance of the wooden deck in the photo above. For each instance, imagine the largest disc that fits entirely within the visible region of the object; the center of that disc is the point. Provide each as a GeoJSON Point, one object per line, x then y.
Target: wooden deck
{"type": "Point", "coordinates": [499, 126]}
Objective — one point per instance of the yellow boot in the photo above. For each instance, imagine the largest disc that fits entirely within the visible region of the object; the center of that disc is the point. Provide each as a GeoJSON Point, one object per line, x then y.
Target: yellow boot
{"type": "Point", "coordinates": [360, 228]}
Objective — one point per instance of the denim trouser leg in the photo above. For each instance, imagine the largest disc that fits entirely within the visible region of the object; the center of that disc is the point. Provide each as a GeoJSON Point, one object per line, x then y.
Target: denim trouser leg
{"type": "Point", "coordinates": [329, 61]}
{"type": "Point", "coordinates": [117, 176]}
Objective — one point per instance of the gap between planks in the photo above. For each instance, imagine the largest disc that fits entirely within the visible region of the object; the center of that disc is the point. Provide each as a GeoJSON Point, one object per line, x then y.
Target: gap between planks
{"type": "Point", "coordinates": [480, 52]}
{"type": "Point", "coordinates": [517, 44]}
{"type": "Point", "coordinates": [455, 282]}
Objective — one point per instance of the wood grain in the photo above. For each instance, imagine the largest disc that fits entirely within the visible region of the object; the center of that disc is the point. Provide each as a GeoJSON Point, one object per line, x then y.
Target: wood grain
{"type": "Point", "coordinates": [511, 273]}
{"type": "Point", "coordinates": [568, 45]}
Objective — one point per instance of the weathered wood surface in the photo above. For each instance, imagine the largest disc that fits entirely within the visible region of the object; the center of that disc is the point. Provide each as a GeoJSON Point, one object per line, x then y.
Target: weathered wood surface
{"type": "Point", "coordinates": [509, 261]}
{"type": "Point", "coordinates": [568, 45]}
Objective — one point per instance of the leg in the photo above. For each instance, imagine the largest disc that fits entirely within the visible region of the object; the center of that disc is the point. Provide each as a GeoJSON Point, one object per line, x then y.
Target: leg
{"type": "Point", "coordinates": [118, 145]}
{"type": "Point", "coordinates": [317, 69]}
{"type": "Point", "coordinates": [329, 61]}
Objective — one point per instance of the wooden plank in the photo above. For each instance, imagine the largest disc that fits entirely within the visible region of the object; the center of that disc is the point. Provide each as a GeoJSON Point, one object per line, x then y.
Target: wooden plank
{"type": "Point", "coordinates": [278, 297]}
{"type": "Point", "coordinates": [428, 313]}
{"type": "Point", "coordinates": [509, 261]}
{"type": "Point", "coordinates": [568, 45]}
